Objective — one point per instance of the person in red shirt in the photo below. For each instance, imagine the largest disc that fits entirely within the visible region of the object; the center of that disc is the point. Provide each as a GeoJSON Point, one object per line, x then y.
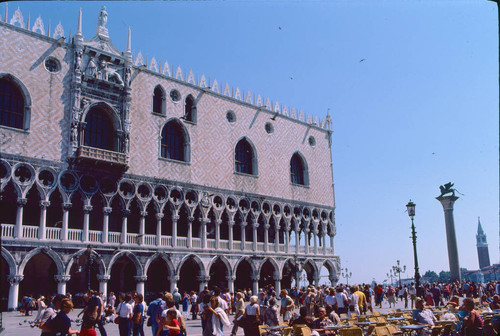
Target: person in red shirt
{"type": "Point", "coordinates": [171, 324]}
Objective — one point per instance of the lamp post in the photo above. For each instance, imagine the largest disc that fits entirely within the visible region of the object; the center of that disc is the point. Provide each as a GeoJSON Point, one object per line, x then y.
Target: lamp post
{"type": "Point", "coordinates": [89, 264]}
{"type": "Point", "coordinates": [397, 269]}
{"type": "Point", "coordinates": [411, 212]}
{"type": "Point", "coordinates": [346, 274]}
{"type": "Point", "coordinates": [391, 276]}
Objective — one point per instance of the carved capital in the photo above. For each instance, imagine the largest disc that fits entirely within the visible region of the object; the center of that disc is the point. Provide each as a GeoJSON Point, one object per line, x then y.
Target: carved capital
{"type": "Point", "coordinates": [144, 213]}
{"type": "Point", "coordinates": [62, 278]}
{"type": "Point", "coordinates": [174, 278]}
{"type": "Point", "coordinates": [66, 206]}
{"type": "Point", "coordinates": [255, 277]}
{"type": "Point", "coordinates": [205, 221]}
{"type": "Point", "coordinates": [140, 278]}
{"type": "Point", "coordinates": [230, 223]}
{"type": "Point", "coordinates": [159, 215]}
{"type": "Point", "coordinates": [255, 225]}
{"type": "Point", "coordinates": [267, 226]}
{"type": "Point", "coordinates": [103, 278]}
{"type": "Point", "coordinates": [190, 219]}
{"type": "Point", "coordinates": [44, 204]}
{"type": "Point", "coordinates": [15, 279]}
{"type": "Point", "coordinates": [231, 277]}
{"type": "Point", "coordinates": [87, 208]}
{"type": "Point", "coordinates": [125, 212]}
{"type": "Point", "coordinates": [175, 218]}
{"type": "Point", "coordinates": [107, 210]}
{"type": "Point", "coordinates": [21, 201]}
{"type": "Point", "coordinates": [203, 278]}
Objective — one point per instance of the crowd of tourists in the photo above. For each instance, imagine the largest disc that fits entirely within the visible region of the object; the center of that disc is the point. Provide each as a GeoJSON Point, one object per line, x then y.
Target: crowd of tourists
{"type": "Point", "coordinates": [315, 307]}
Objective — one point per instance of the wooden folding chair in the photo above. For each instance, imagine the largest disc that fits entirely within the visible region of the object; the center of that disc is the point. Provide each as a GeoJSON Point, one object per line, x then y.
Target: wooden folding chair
{"type": "Point", "coordinates": [351, 332]}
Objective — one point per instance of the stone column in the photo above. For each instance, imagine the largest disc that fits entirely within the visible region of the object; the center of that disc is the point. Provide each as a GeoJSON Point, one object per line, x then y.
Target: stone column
{"type": "Point", "coordinates": [190, 232]}
{"type": "Point", "coordinates": [331, 242]}
{"type": "Point", "coordinates": [103, 283]}
{"type": "Point", "coordinates": [255, 285]}
{"type": "Point", "coordinates": [297, 241]}
{"type": "Point", "coordinates": [86, 218]}
{"type": "Point", "coordinates": [243, 234]}
{"type": "Point", "coordinates": [141, 279]}
{"type": "Point", "coordinates": [266, 237]}
{"type": "Point", "coordinates": [287, 239]}
{"type": "Point", "coordinates": [105, 224]}
{"type": "Point", "coordinates": [316, 280]}
{"type": "Point", "coordinates": [14, 281]}
{"type": "Point", "coordinates": [175, 218]}
{"type": "Point", "coordinates": [447, 203]}
{"type": "Point", "coordinates": [173, 282]}
{"type": "Point", "coordinates": [306, 239]}
{"type": "Point", "coordinates": [61, 280]}
{"type": "Point", "coordinates": [315, 235]}
{"type": "Point", "coordinates": [217, 233]}
{"type": "Point", "coordinates": [142, 227]}
{"type": "Point", "coordinates": [333, 280]}
{"type": "Point", "coordinates": [230, 282]}
{"type": "Point", "coordinates": [159, 217]}
{"type": "Point", "coordinates": [204, 222]}
{"type": "Point", "coordinates": [18, 230]}
{"type": "Point", "coordinates": [43, 219]}
{"type": "Point", "coordinates": [125, 213]}
{"type": "Point", "coordinates": [255, 226]}
{"type": "Point", "coordinates": [277, 282]}
{"type": "Point", "coordinates": [323, 238]}
{"type": "Point", "coordinates": [65, 221]}
{"type": "Point", "coordinates": [277, 239]}
{"type": "Point", "coordinates": [230, 225]}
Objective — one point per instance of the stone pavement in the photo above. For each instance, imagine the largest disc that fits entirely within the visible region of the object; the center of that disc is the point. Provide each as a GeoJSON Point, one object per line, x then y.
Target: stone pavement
{"type": "Point", "coordinates": [14, 325]}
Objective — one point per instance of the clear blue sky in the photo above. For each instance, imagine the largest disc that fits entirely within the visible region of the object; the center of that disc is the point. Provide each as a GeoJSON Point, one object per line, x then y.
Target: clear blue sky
{"type": "Point", "coordinates": [412, 87]}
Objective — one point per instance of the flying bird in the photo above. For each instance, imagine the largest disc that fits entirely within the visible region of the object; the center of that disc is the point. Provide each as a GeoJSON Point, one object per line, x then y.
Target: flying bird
{"type": "Point", "coordinates": [362, 60]}
{"type": "Point", "coordinates": [274, 116]}
{"type": "Point", "coordinates": [279, 28]}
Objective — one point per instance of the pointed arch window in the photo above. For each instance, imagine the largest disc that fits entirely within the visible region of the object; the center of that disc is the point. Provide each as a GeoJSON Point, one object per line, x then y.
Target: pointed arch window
{"type": "Point", "coordinates": [174, 142]}
{"type": "Point", "coordinates": [12, 105]}
{"type": "Point", "coordinates": [99, 131]}
{"type": "Point", "coordinates": [190, 109]}
{"type": "Point", "coordinates": [245, 159]}
{"type": "Point", "coordinates": [159, 100]}
{"type": "Point", "coordinates": [298, 170]}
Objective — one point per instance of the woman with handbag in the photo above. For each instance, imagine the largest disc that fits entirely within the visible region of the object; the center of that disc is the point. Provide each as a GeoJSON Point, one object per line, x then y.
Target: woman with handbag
{"type": "Point", "coordinates": [251, 317]}
{"type": "Point", "coordinates": [124, 314]}
{"type": "Point", "coordinates": [138, 317]}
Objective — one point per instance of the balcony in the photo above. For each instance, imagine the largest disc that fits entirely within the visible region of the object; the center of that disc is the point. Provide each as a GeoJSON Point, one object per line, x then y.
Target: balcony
{"type": "Point", "coordinates": [93, 154]}
{"type": "Point", "coordinates": [31, 233]}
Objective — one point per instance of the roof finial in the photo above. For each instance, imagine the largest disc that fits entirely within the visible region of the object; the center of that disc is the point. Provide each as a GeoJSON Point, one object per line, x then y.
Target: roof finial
{"type": "Point", "coordinates": [129, 41]}
{"type": "Point", "coordinates": [79, 26]}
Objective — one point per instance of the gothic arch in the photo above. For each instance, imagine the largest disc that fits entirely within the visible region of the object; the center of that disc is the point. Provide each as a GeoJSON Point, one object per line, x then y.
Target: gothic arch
{"type": "Point", "coordinates": [196, 259]}
{"type": "Point", "coordinates": [10, 261]}
{"type": "Point", "coordinates": [224, 260]}
{"type": "Point", "coordinates": [131, 256]}
{"type": "Point", "coordinates": [49, 252]}
{"type": "Point", "coordinates": [185, 135]}
{"type": "Point", "coordinates": [250, 262]}
{"type": "Point", "coordinates": [272, 261]}
{"type": "Point", "coordinates": [109, 110]}
{"type": "Point", "coordinates": [98, 259]}
{"type": "Point", "coordinates": [26, 96]}
{"type": "Point", "coordinates": [164, 257]}
{"type": "Point", "coordinates": [254, 162]}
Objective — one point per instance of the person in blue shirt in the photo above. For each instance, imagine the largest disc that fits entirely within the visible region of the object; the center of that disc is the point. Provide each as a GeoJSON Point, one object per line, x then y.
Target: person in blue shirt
{"type": "Point", "coordinates": [153, 309]}
{"type": "Point", "coordinates": [138, 318]}
{"type": "Point", "coordinates": [61, 323]}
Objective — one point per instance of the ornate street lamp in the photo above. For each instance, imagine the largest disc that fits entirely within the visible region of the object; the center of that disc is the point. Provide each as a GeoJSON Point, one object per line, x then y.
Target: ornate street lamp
{"type": "Point", "coordinates": [346, 274]}
{"type": "Point", "coordinates": [391, 276]}
{"type": "Point", "coordinates": [398, 270]}
{"type": "Point", "coordinates": [411, 212]}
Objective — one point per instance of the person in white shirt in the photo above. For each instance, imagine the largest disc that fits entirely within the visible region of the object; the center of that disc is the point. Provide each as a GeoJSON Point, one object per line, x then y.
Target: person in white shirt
{"type": "Point", "coordinates": [125, 312]}
{"type": "Point", "coordinates": [341, 301]}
